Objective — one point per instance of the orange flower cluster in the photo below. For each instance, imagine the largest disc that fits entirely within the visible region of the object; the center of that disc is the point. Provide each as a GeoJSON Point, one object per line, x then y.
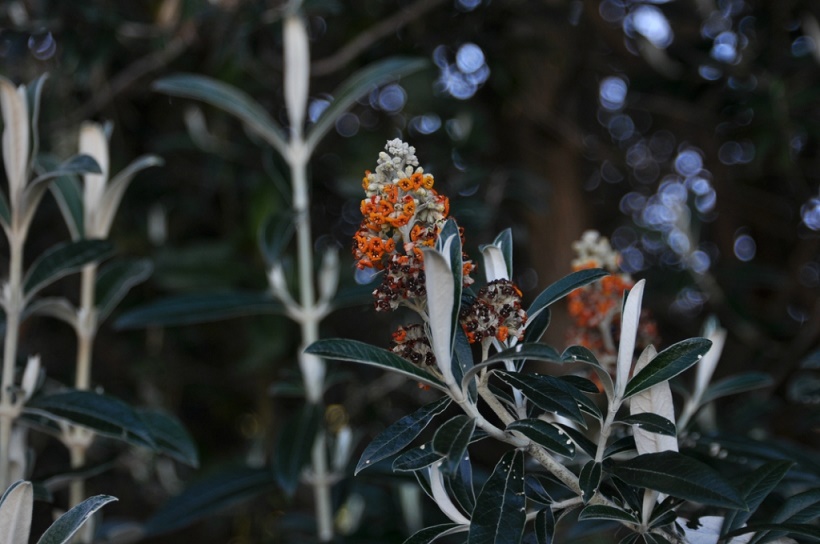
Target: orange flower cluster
{"type": "Point", "coordinates": [595, 308]}
{"type": "Point", "coordinates": [401, 214]}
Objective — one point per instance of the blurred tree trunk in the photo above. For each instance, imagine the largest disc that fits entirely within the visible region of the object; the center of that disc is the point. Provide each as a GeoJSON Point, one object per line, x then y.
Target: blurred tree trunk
{"type": "Point", "coordinates": [546, 140]}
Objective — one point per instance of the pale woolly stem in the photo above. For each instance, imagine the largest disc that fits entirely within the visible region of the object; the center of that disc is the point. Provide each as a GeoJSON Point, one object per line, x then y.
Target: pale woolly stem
{"type": "Point", "coordinates": [14, 304]}
{"type": "Point", "coordinates": [313, 368]}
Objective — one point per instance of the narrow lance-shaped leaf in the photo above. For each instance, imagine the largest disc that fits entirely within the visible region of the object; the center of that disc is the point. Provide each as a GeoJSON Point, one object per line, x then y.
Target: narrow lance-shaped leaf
{"type": "Point", "coordinates": [416, 458]}
{"type": "Point", "coordinates": [116, 189]}
{"type": "Point", "coordinates": [605, 512]}
{"type": "Point", "coordinates": [34, 90]}
{"type": "Point", "coordinates": [589, 479]}
{"type": "Point", "coordinates": [651, 423]}
{"type": "Point", "coordinates": [543, 395]}
{"type": "Point", "coordinates": [442, 498]}
{"type": "Point", "coordinates": [544, 434]}
{"type": "Point", "coordinates": [753, 489]}
{"type": "Point", "coordinates": [544, 526]}
{"type": "Point", "coordinates": [115, 280]}
{"type": "Point", "coordinates": [294, 446]}
{"type": "Point", "coordinates": [199, 308]}
{"type": "Point", "coordinates": [356, 86]}
{"type": "Point", "coordinates": [69, 197]}
{"type": "Point", "coordinates": [211, 495]}
{"type": "Point", "coordinates": [5, 213]}
{"type": "Point", "coordinates": [653, 401]}
{"type": "Point", "coordinates": [739, 383]}
{"type": "Point", "coordinates": [563, 287]}
{"type": "Point", "coordinates": [680, 476]}
{"type": "Point", "coordinates": [103, 414]}
{"type": "Point", "coordinates": [442, 304]}
{"type": "Point", "coordinates": [16, 138]}
{"type": "Point", "coordinates": [451, 440]}
{"type": "Point", "coordinates": [398, 435]}
{"type": "Point", "coordinates": [668, 364]}
{"type": "Point", "coordinates": [170, 436]}
{"type": "Point", "coordinates": [15, 512]}
{"type": "Point", "coordinates": [431, 534]}
{"type": "Point", "coordinates": [274, 236]}
{"type": "Point", "coordinates": [78, 164]}
{"type": "Point", "coordinates": [360, 352]}
{"type": "Point", "coordinates": [61, 260]}
{"type": "Point", "coordinates": [504, 241]}
{"type": "Point", "coordinates": [494, 266]}
{"type": "Point", "coordinates": [227, 98]}
{"type": "Point", "coordinates": [629, 330]}
{"type": "Point", "coordinates": [499, 515]}
{"type": "Point", "coordinates": [69, 523]}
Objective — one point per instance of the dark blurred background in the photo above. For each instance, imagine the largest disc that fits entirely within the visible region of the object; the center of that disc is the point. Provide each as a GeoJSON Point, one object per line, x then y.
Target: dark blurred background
{"type": "Point", "coordinates": [685, 131]}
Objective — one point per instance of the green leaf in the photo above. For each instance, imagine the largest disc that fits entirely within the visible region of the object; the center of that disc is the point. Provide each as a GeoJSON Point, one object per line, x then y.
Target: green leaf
{"type": "Point", "coordinates": [229, 99]}
{"type": "Point", "coordinates": [580, 354]}
{"type": "Point", "coordinates": [531, 352]}
{"type": "Point", "coordinates": [739, 383]}
{"type": "Point", "coordinates": [103, 414]}
{"type": "Point", "coordinates": [5, 213]}
{"type": "Point", "coordinates": [15, 512]}
{"type": "Point", "coordinates": [117, 186]}
{"type": "Point", "coordinates": [608, 513]}
{"type": "Point", "coordinates": [499, 515]}
{"type": "Point", "coordinates": [115, 280]}
{"type": "Point", "coordinates": [798, 509]}
{"type": "Point", "coordinates": [534, 489]}
{"type": "Point", "coordinates": [544, 434]}
{"type": "Point", "coordinates": [621, 445]}
{"type": "Point", "coordinates": [796, 529]}
{"type": "Point", "coordinates": [78, 164]}
{"type": "Point", "coordinates": [61, 260]}
{"type": "Point", "coordinates": [198, 308]}
{"type": "Point", "coordinates": [590, 479]}
{"type": "Point", "coordinates": [651, 422]}
{"type": "Point", "coordinates": [416, 458]}
{"type": "Point", "coordinates": [398, 435]}
{"type": "Point", "coordinates": [443, 280]}
{"type": "Point", "coordinates": [451, 440]}
{"type": "Point", "coordinates": [459, 485]}
{"type": "Point", "coordinates": [668, 364]}
{"type": "Point", "coordinates": [544, 526]}
{"type": "Point", "coordinates": [69, 197]}
{"type": "Point", "coordinates": [210, 495]}
{"type": "Point", "coordinates": [431, 534]}
{"type": "Point", "coordinates": [504, 240]}
{"type": "Point", "coordinates": [535, 352]}
{"type": "Point", "coordinates": [536, 326]}
{"type": "Point", "coordinates": [69, 523]}
{"type": "Point", "coordinates": [543, 395]}
{"type": "Point", "coordinates": [170, 436]}
{"type": "Point", "coordinates": [356, 86]}
{"type": "Point", "coordinates": [680, 476]}
{"type": "Point", "coordinates": [563, 287]}
{"type": "Point", "coordinates": [580, 440]}
{"type": "Point", "coordinates": [294, 446]}
{"type": "Point", "coordinates": [463, 360]}
{"type": "Point", "coordinates": [359, 352]}
{"type": "Point", "coordinates": [753, 489]}
{"type": "Point", "coordinates": [275, 234]}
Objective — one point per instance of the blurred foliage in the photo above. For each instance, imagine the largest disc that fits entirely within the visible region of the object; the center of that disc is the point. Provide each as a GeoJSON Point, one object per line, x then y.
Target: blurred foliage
{"type": "Point", "coordinates": [535, 149]}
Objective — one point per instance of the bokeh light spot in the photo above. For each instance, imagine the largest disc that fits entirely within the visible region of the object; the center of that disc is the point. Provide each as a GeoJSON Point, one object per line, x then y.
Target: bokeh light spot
{"type": "Point", "coordinates": [745, 247]}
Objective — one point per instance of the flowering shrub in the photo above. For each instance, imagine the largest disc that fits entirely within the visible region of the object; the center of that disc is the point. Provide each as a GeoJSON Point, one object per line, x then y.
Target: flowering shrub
{"type": "Point", "coordinates": [575, 451]}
